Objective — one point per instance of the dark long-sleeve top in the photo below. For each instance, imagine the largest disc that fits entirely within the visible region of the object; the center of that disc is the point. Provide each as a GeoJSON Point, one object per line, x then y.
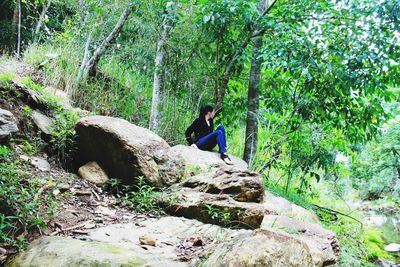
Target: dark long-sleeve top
{"type": "Point", "coordinates": [200, 129]}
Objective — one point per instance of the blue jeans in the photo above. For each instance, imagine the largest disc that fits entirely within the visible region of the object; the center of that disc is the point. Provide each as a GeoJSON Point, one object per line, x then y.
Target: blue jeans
{"type": "Point", "coordinates": [209, 141]}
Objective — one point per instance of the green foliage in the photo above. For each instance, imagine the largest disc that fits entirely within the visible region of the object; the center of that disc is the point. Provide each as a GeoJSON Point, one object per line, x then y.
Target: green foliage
{"type": "Point", "coordinates": [26, 111]}
{"type": "Point", "coordinates": [22, 209]}
{"type": "Point", "coordinates": [374, 244]}
{"type": "Point", "coordinates": [27, 81]}
{"type": "Point", "coordinates": [375, 169]}
{"type": "Point", "coordinates": [7, 90]}
{"type": "Point", "coordinates": [144, 198]}
{"type": "Point", "coordinates": [63, 134]}
{"type": "Point", "coordinates": [140, 197]}
{"type": "Point", "coordinates": [291, 194]}
{"type": "Point", "coordinates": [219, 216]}
{"type": "Point", "coordinates": [5, 77]}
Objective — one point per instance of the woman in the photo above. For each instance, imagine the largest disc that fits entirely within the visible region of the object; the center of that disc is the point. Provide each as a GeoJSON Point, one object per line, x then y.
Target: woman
{"type": "Point", "coordinates": [204, 136]}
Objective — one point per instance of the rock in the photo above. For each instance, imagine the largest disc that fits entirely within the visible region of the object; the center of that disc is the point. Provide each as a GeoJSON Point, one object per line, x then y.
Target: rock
{"type": "Point", "coordinates": [43, 122]}
{"type": "Point", "coordinates": [93, 173]}
{"type": "Point", "coordinates": [244, 186]}
{"type": "Point", "coordinates": [126, 151]}
{"type": "Point", "coordinates": [302, 214]}
{"type": "Point", "coordinates": [197, 242]}
{"type": "Point", "coordinates": [199, 161]}
{"type": "Point", "coordinates": [8, 123]}
{"type": "Point", "coordinates": [146, 240]}
{"type": "Point", "coordinates": [24, 157]}
{"type": "Point", "coordinates": [3, 251]}
{"type": "Point", "coordinates": [68, 252]}
{"type": "Point", "coordinates": [40, 164]}
{"type": "Point", "coordinates": [30, 97]}
{"type": "Point", "coordinates": [261, 248]}
{"type": "Point", "coordinates": [375, 220]}
{"type": "Point", "coordinates": [385, 263]}
{"type": "Point", "coordinates": [174, 236]}
{"type": "Point", "coordinates": [282, 206]}
{"type": "Point", "coordinates": [61, 96]}
{"type": "Point", "coordinates": [393, 247]}
{"type": "Point", "coordinates": [82, 112]}
{"type": "Point", "coordinates": [323, 245]}
{"type": "Point", "coordinates": [219, 209]}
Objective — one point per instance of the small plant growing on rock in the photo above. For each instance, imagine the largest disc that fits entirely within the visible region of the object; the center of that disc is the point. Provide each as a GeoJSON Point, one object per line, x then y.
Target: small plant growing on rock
{"type": "Point", "coordinates": [144, 198]}
{"type": "Point", "coordinates": [220, 216]}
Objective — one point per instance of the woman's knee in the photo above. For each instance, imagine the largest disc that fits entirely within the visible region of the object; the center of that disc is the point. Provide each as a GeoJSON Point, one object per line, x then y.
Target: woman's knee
{"type": "Point", "coordinates": [221, 127]}
{"type": "Point", "coordinates": [219, 132]}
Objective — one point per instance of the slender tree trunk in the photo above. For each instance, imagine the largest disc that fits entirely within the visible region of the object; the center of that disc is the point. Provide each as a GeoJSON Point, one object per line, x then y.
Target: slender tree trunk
{"type": "Point", "coordinates": [85, 57]}
{"type": "Point", "coordinates": [19, 30]}
{"type": "Point", "coordinates": [216, 81]}
{"type": "Point", "coordinates": [233, 59]}
{"type": "Point", "coordinates": [92, 63]}
{"type": "Point", "coordinates": [253, 97]}
{"type": "Point", "coordinates": [40, 21]}
{"type": "Point", "coordinates": [158, 84]}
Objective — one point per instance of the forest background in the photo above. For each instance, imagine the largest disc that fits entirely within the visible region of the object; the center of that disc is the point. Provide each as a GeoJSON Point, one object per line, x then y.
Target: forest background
{"type": "Point", "coordinates": [307, 90]}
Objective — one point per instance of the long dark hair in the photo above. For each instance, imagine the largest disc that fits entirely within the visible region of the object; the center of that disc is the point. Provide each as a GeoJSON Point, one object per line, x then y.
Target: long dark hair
{"type": "Point", "coordinates": [204, 110]}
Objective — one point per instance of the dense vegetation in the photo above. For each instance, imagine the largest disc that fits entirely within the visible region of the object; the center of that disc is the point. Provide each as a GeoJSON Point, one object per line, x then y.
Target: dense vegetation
{"type": "Point", "coordinates": [298, 84]}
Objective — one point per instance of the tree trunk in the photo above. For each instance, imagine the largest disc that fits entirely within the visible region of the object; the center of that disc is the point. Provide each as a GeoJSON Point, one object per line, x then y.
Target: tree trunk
{"type": "Point", "coordinates": [253, 97]}
{"type": "Point", "coordinates": [158, 84]}
{"type": "Point", "coordinates": [19, 29]}
{"type": "Point", "coordinates": [92, 63]}
{"type": "Point", "coordinates": [253, 34]}
{"type": "Point", "coordinates": [40, 21]}
{"type": "Point", "coordinates": [85, 57]}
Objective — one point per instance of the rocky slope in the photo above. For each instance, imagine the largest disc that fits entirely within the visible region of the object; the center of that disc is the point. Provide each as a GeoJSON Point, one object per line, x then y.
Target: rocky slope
{"type": "Point", "coordinates": [222, 215]}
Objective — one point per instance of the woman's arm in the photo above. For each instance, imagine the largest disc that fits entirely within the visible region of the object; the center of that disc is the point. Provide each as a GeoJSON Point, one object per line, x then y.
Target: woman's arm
{"type": "Point", "coordinates": [189, 131]}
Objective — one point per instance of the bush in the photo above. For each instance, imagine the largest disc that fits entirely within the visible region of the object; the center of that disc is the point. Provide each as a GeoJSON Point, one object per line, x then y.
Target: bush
{"type": "Point", "coordinates": [22, 206]}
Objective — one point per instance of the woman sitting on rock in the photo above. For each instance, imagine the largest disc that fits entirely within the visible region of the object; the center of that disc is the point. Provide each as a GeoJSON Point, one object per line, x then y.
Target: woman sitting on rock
{"type": "Point", "coordinates": [204, 136]}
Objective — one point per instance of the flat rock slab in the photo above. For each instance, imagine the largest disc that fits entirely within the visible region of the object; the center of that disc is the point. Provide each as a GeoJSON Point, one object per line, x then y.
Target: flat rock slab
{"type": "Point", "coordinates": [68, 252]}
{"type": "Point", "coordinates": [199, 161]}
{"type": "Point", "coordinates": [8, 123]}
{"type": "Point", "coordinates": [244, 186]}
{"type": "Point", "coordinates": [219, 209]}
{"type": "Point", "coordinates": [127, 151]}
{"type": "Point", "coordinates": [175, 238]}
{"type": "Point", "coordinates": [261, 248]}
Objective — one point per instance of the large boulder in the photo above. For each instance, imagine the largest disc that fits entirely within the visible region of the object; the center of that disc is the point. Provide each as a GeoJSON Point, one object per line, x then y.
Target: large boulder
{"type": "Point", "coordinates": [244, 186]}
{"type": "Point", "coordinates": [261, 248]}
{"type": "Point", "coordinates": [323, 244]}
{"type": "Point", "coordinates": [127, 151]}
{"type": "Point", "coordinates": [68, 252]}
{"type": "Point", "coordinates": [8, 123]}
{"type": "Point", "coordinates": [198, 161]}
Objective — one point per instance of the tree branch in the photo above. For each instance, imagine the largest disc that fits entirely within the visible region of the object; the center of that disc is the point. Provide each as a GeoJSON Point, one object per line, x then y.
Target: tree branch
{"type": "Point", "coordinates": [92, 63]}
